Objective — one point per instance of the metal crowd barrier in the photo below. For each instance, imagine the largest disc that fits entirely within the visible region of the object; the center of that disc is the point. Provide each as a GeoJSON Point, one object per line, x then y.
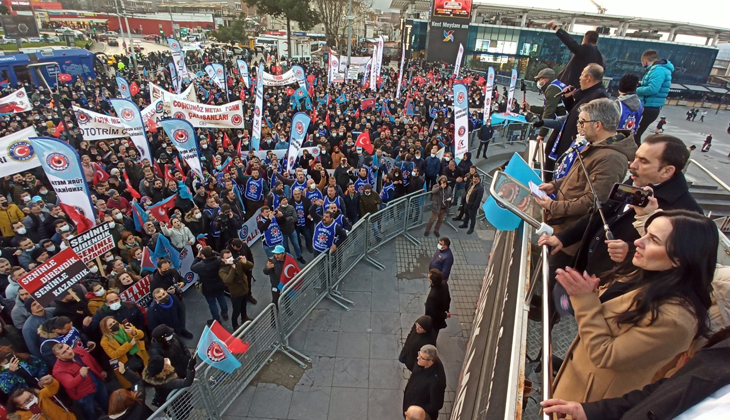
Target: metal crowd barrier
{"type": "Point", "coordinates": [213, 391]}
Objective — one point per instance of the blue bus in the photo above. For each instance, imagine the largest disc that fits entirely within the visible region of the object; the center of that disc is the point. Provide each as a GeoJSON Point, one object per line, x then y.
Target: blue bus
{"type": "Point", "coordinates": [74, 61]}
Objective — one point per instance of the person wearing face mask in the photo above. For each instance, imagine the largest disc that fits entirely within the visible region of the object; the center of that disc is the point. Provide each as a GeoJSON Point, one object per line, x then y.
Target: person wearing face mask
{"type": "Point", "coordinates": [161, 374]}
{"type": "Point", "coordinates": [167, 309]}
{"type": "Point", "coordinates": [125, 343]}
{"type": "Point", "coordinates": [9, 214]}
{"type": "Point", "coordinates": [121, 310]}
{"type": "Point", "coordinates": [432, 168]}
{"type": "Point", "coordinates": [61, 226]}
{"type": "Point", "coordinates": [167, 344]}
{"type": "Point", "coordinates": [25, 403]}
{"type": "Point", "coordinates": [207, 264]}
{"type": "Point", "coordinates": [96, 296]}
{"type": "Point", "coordinates": [553, 106]}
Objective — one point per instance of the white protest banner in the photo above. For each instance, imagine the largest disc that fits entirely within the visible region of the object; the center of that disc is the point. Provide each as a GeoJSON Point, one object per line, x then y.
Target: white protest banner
{"type": "Point", "coordinates": [131, 118]}
{"type": "Point", "coordinates": [258, 110]}
{"type": "Point", "coordinates": [186, 262]}
{"type": "Point", "coordinates": [461, 120]}
{"type": "Point", "coordinates": [488, 95]}
{"type": "Point", "coordinates": [374, 68]}
{"type": "Point", "coordinates": [153, 111]}
{"type": "Point", "coordinates": [96, 126]}
{"type": "Point", "coordinates": [15, 102]}
{"type": "Point", "coordinates": [93, 243]}
{"type": "Point", "coordinates": [157, 92]}
{"type": "Point", "coordinates": [457, 64]}
{"type": "Point", "coordinates": [511, 91]}
{"type": "Point", "coordinates": [229, 115]}
{"type": "Point", "coordinates": [16, 152]}
{"type": "Point", "coordinates": [381, 47]}
{"type": "Point", "coordinates": [359, 63]}
{"type": "Point", "coordinates": [400, 74]}
{"type": "Point", "coordinates": [243, 72]}
{"type": "Point", "coordinates": [138, 292]}
{"type": "Point", "coordinates": [334, 66]}
{"type": "Point", "coordinates": [280, 153]}
{"type": "Point", "coordinates": [280, 79]}
{"type": "Point", "coordinates": [250, 232]}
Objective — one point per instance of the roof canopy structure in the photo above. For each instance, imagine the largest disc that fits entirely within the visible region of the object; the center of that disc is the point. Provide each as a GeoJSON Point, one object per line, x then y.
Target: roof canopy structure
{"type": "Point", "coordinates": [514, 15]}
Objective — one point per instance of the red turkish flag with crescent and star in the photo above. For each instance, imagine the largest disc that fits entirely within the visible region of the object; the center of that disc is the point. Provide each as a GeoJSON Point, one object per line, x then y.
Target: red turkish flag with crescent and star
{"type": "Point", "coordinates": [290, 270]}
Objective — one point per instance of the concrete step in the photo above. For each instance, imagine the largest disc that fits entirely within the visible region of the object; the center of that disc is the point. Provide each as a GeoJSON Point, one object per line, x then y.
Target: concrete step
{"type": "Point", "coordinates": [710, 194]}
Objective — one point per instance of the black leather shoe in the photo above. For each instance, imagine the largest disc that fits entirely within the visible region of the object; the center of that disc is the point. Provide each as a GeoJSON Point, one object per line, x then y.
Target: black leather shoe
{"type": "Point", "coordinates": [463, 226]}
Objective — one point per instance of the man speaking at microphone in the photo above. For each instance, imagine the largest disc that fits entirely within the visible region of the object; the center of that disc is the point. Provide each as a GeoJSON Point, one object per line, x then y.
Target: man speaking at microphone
{"type": "Point", "coordinates": [606, 159]}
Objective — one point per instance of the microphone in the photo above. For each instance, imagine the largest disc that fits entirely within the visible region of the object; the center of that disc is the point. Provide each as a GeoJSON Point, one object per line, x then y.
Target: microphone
{"type": "Point", "coordinates": [578, 145]}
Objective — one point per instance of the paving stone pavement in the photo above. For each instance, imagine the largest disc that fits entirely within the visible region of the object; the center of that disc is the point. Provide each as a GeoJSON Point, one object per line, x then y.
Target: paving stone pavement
{"type": "Point", "coordinates": [354, 353]}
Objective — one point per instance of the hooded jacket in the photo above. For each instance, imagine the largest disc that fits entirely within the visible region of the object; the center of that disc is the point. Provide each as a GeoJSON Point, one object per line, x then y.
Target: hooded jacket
{"type": "Point", "coordinates": [207, 270]}
{"type": "Point", "coordinates": [49, 339]}
{"type": "Point", "coordinates": [655, 84]}
{"type": "Point", "coordinates": [415, 341]}
{"type": "Point", "coordinates": [606, 163]}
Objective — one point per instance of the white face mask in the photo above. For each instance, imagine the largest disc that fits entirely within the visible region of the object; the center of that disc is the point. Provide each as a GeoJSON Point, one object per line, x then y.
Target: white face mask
{"type": "Point", "coordinates": [118, 216]}
{"type": "Point", "coordinates": [65, 228]}
{"type": "Point", "coordinates": [26, 199]}
{"type": "Point", "coordinates": [22, 231]}
{"type": "Point", "coordinates": [540, 84]}
{"type": "Point", "coordinates": [115, 306]}
{"type": "Point", "coordinates": [94, 269]}
{"type": "Point", "coordinates": [111, 225]}
{"type": "Point", "coordinates": [32, 402]}
{"type": "Point", "coordinates": [99, 292]}
{"type": "Point", "coordinates": [439, 247]}
{"type": "Point", "coordinates": [312, 186]}
{"type": "Point", "coordinates": [447, 159]}
{"type": "Point", "coordinates": [109, 258]}
{"type": "Point", "coordinates": [51, 248]}
{"type": "Point", "coordinates": [198, 215]}
{"type": "Point", "coordinates": [229, 260]}
{"type": "Point", "coordinates": [433, 154]}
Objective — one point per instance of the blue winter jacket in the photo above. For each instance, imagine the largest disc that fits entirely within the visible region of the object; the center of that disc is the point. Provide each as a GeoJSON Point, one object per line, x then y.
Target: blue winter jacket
{"type": "Point", "coordinates": [655, 84]}
{"type": "Point", "coordinates": [433, 166]}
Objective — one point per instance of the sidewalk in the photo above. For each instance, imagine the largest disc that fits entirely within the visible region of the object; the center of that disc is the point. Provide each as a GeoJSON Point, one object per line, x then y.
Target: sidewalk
{"type": "Point", "coordinates": [354, 369]}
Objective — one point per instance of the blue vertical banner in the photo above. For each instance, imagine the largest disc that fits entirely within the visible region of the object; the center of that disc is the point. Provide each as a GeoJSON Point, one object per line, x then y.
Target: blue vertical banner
{"type": "Point", "coordinates": [123, 87]}
{"type": "Point", "coordinates": [182, 135]}
{"type": "Point", "coordinates": [62, 166]}
{"type": "Point", "coordinates": [299, 127]}
{"type": "Point", "coordinates": [174, 78]}
{"type": "Point", "coordinates": [461, 120]}
{"type": "Point", "coordinates": [131, 118]}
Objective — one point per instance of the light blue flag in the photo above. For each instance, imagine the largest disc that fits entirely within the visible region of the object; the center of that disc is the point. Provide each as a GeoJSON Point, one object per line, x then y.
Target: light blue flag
{"type": "Point", "coordinates": [164, 248]}
{"type": "Point", "coordinates": [182, 135]}
{"type": "Point", "coordinates": [123, 87]}
{"type": "Point", "coordinates": [128, 112]}
{"type": "Point", "coordinates": [300, 75]}
{"type": "Point", "coordinates": [243, 72]}
{"type": "Point", "coordinates": [62, 166]}
{"type": "Point", "coordinates": [500, 217]}
{"type": "Point", "coordinates": [299, 126]}
{"type": "Point", "coordinates": [213, 351]}
{"type": "Point", "coordinates": [173, 77]}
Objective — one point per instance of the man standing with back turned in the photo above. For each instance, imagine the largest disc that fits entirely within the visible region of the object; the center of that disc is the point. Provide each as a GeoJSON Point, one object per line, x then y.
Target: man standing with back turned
{"type": "Point", "coordinates": [654, 89]}
{"type": "Point", "coordinates": [583, 54]}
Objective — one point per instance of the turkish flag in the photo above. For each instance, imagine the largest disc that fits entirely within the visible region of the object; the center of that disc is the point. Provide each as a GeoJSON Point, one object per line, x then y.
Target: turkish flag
{"type": "Point", "coordinates": [82, 222]}
{"type": "Point", "coordinates": [59, 129]}
{"type": "Point", "coordinates": [65, 77]}
{"type": "Point", "coordinates": [226, 140]}
{"type": "Point", "coordinates": [233, 344]}
{"type": "Point", "coordinates": [99, 174]}
{"type": "Point", "coordinates": [363, 140]}
{"type": "Point", "coordinates": [467, 80]}
{"type": "Point", "coordinates": [289, 92]}
{"type": "Point", "coordinates": [243, 94]}
{"type": "Point", "coordinates": [151, 126]}
{"type": "Point", "coordinates": [130, 188]}
{"type": "Point", "coordinates": [133, 88]}
{"type": "Point", "coordinates": [160, 210]}
{"type": "Point", "coordinates": [367, 103]}
{"type": "Point", "coordinates": [480, 81]}
{"type": "Point", "coordinates": [290, 270]}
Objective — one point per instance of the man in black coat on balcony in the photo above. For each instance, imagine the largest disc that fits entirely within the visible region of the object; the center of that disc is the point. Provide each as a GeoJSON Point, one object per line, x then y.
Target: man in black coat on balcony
{"type": "Point", "coordinates": [585, 53]}
{"type": "Point", "coordinates": [427, 385]}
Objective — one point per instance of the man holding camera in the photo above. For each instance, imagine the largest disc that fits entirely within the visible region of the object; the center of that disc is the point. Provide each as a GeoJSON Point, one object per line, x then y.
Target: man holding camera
{"type": "Point", "coordinates": [233, 272]}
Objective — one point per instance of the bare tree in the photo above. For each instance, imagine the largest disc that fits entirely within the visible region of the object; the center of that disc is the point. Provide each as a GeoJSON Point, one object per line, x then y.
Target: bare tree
{"type": "Point", "coordinates": [333, 16]}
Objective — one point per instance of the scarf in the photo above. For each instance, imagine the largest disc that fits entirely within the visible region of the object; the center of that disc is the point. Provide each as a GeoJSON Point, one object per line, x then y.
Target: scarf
{"type": "Point", "coordinates": [122, 337]}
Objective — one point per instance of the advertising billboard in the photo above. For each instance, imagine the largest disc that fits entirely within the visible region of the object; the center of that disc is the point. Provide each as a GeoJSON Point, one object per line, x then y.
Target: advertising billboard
{"type": "Point", "coordinates": [452, 8]}
{"type": "Point", "coordinates": [19, 26]}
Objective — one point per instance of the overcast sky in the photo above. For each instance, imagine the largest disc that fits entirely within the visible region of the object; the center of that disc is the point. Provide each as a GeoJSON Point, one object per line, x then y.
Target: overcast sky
{"type": "Point", "coordinates": [712, 13]}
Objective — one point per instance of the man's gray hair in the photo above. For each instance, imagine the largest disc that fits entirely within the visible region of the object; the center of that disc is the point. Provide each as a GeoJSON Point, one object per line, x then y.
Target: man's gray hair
{"type": "Point", "coordinates": [430, 351]}
{"type": "Point", "coordinates": [604, 110]}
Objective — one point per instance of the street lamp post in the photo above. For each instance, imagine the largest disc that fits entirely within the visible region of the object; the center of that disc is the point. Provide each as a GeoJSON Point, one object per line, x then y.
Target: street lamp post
{"type": "Point", "coordinates": [37, 67]}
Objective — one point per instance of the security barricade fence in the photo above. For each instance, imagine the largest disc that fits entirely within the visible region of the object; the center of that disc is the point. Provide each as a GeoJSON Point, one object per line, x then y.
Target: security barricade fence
{"type": "Point", "coordinates": [213, 390]}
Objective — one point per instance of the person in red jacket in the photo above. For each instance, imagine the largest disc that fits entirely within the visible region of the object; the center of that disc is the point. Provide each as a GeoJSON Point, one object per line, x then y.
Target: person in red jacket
{"type": "Point", "coordinates": [82, 377]}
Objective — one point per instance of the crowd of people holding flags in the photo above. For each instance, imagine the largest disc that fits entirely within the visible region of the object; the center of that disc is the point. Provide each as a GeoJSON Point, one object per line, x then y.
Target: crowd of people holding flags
{"type": "Point", "coordinates": [149, 184]}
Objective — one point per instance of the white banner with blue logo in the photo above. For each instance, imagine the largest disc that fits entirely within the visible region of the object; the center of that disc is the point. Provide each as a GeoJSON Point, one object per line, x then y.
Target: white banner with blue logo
{"type": "Point", "coordinates": [123, 87]}
{"type": "Point", "coordinates": [182, 135]}
{"type": "Point", "coordinates": [229, 115]}
{"type": "Point", "coordinates": [154, 111]}
{"type": "Point", "coordinates": [186, 262]}
{"type": "Point", "coordinates": [131, 119]}
{"type": "Point", "coordinates": [258, 107]}
{"type": "Point", "coordinates": [220, 77]}
{"type": "Point", "coordinates": [96, 126]}
{"type": "Point", "coordinates": [15, 102]}
{"type": "Point", "coordinates": [511, 91]}
{"type": "Point", "coordinates": [300, 75]}
{"type": "Point", "coordinates": [299, 126]}
{"type": "Point", "coordinates": [457, 64]}
{"type": "Point", "coordinates": [178, 60]}
{"type": "Point", "coordinates": [62, 166]}
{"type": "Point", "coordinates": [250, 232]}
{"type": "Point", "coordinates": [488, 95]}
{"type": "Point", "coordinates": [461, 120]}
{"type": "Point", "coordinates": [16, 152]}
{"type": "Point", "coordinates": [243, 72]}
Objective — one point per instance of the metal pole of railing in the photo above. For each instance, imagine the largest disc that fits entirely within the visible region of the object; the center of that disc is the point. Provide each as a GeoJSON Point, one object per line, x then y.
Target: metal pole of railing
{"type": "Point", "coordinates": [547, 353]}
{"type": "Point", "coordinates": [710, 174]}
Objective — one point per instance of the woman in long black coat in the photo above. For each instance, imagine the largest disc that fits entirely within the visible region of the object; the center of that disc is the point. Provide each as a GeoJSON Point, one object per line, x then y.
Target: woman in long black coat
{"type": "Point", "coordinates": [438, 301]}
{"type": "Point", "coordinates": [420, 335]}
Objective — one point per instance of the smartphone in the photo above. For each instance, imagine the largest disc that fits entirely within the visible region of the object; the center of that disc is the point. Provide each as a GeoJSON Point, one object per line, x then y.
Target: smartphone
{"type": "Point", "coordinates": [35, 409]}
{"type": "Point", "coordinates": [126, 323]}
{"type": "Point", "coordinates": [523, 85]}
{"type": "Point", "coordinates": [114, 363]}
{"type": "Point", "coordinates": [629, 194]}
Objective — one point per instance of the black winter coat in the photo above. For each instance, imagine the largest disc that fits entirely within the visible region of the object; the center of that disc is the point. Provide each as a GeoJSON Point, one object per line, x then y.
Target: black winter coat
{"type": "Point", "coordinates": [437, 304]}
{"type": "Point", "coordinates": [413, 344]}
{"type": "Point", "coordinates": [207, 270]}
{"type": "Point", "coordinates": [426, 388]}
{"type": "Point", "coordinates": [583, 55]}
